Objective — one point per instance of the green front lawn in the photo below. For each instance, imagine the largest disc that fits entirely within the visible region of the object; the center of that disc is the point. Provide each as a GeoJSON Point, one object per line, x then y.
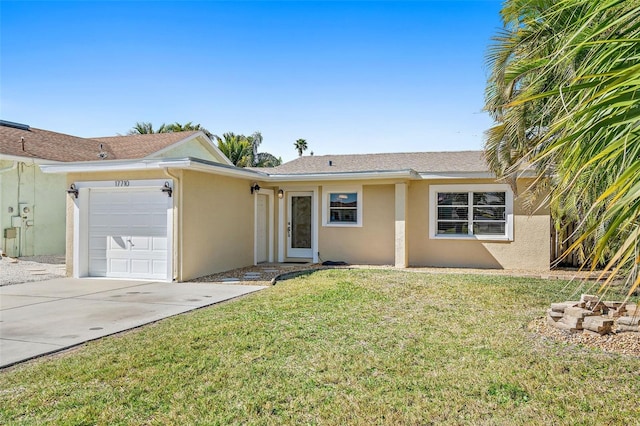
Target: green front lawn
{"type": "Point", "coordinates": [338, 347]}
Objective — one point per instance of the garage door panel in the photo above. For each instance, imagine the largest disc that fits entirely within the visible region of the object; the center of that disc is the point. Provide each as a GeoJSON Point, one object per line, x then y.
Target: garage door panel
{"type": "Point", "coordinates": [128, 231]}
{"type": "Point", "coordinates": [118, 266]}
{"type": "Point", "coordinates": [140, 266]}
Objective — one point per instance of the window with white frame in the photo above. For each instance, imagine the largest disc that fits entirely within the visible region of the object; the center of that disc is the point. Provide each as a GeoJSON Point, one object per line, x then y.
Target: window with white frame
{"type": "Point", "coordinates": [342, 206]}
{"type": "Point", "coordinates": [471, 211]}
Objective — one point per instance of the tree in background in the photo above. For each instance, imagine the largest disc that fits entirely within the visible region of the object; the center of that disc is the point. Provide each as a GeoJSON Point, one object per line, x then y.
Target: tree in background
{"type": "Point", "coordinates": [255, 140]}
{"type": "Point", "coordinates": [300, 146]}
{"type": "Point", "coordinates": [243, 150]}
{"type": "Point", "coordinates": [236, 148]}
{"type": "Point", "coordinates": [145, 127]}
{"type": "Point", "coordinates": [564, 91]}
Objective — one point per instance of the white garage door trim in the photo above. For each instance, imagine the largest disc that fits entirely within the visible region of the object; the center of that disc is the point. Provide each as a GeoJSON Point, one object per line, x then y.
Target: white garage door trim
{"type": "Point", "coordinates": [82, 228]}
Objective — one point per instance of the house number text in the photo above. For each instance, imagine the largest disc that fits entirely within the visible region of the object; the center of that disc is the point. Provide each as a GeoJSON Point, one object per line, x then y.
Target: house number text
{"type": "Point", "coordinates": [122, 183]}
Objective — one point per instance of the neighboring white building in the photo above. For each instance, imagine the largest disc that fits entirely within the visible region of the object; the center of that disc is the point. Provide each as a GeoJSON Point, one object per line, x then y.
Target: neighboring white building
{"type": "Point", "coordinates": [33, 204]}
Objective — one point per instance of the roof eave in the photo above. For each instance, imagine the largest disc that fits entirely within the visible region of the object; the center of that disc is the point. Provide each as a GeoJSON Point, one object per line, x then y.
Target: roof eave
{"type": "Point", "coordinates": [151, 164]}
{"type": "Point", "coordinates": [326, 176]}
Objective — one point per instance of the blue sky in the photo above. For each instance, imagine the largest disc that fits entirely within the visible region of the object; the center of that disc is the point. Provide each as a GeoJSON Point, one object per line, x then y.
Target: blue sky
{"type": "Point", "coordinates": [349, 77]}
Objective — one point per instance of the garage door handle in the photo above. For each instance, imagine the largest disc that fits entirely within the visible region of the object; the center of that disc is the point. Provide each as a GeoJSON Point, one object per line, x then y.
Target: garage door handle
{"type": "Point", "coordinates": [129, 241]}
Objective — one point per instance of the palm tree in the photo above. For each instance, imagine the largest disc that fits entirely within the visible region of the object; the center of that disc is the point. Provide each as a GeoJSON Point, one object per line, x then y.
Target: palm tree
{"type": "Point", "coordinates": [187, 127]}
{"type": "Point", "coordinates": [564, 90]}
{"type": "Point", "coordinates": [264, 159]}
{"type": "Point", "coordinates": [145, 127]}
{"type": "Point", "coordinates": [300, 146]}
{"type": "Point", "coordinates": [255, 140]}
{"type": "Point", "coordinates": [236, 148]}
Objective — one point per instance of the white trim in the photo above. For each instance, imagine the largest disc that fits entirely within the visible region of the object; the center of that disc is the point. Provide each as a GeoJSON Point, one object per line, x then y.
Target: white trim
{"type": "Point", "coordinates": [81, 221]}
{"type": "Point", "coordinates": [306, 177]}
{"type": "Point", "coordinates": [281, 234]}
{"type": "Point", "coordinates": [457, 175]}
{"type": "Point", "coordinates": [282, 239]}
{"type": "Point", "coordinates": [327, 191]}
{"type": "Point", "coordinates": [269, 193]}
{"type": "Point", "coordinates": [433, 214]}
{"type": "Point", "coordinates": [149, 183]}
{"type": "Point", "coordinates": [299, 252]}
{"type": "Point", "coordinates": [139, 165]}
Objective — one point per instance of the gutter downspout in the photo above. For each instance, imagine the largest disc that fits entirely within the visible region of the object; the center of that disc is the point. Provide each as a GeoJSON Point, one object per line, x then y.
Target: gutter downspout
{"type": "Point", "coordinates": [177, 229]}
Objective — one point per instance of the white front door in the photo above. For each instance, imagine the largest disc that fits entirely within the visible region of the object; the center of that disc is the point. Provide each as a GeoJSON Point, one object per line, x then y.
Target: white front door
{"type": "Point", "coordinates": [128, 233]}
{"type": "Point", "coordinates": [262, 237]}
{"type": "Point", "coordinates": [299, 224]}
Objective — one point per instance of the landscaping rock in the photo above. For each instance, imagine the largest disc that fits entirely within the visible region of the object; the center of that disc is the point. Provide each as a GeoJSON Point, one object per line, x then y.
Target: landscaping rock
{"type": "Point", "coordinates": [629, 320]}
{"type": "Point", "coordinates": [554, 315]}
{"type": "Point", "coordinates": [576, 312]}
{"type": "Point", "coordinates": [597, 324]}
{"type": "Point", "coordinates": [570, 323]}
{"type": "Point", "coordinates": [632, 309]}
{"type": "Point", "coordinates": [623, 328]}
{"type": "Point", "coordinates": [589, 298]}
{"type": "Point", "coordinates": [560, 307]}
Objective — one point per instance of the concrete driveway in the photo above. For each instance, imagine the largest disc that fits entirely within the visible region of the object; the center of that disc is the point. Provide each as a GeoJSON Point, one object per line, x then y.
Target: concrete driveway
{"type": "Point", "coordinates": [41, 317]}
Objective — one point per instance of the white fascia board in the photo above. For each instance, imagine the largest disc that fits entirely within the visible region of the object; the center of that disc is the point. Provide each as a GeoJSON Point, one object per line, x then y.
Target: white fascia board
{"type": "Point", "coordinates": [138, 165]}
{"type": "Point", "coordinates": [405, 174]}
{"type": "Point", "coordinates": [457, 175]}
{"type": "Point", "coordinates": [103, 166]}
{"type": "Point", "coordinates": [472, 175]}
{"type": "Point", "coordinates": [222, 169]}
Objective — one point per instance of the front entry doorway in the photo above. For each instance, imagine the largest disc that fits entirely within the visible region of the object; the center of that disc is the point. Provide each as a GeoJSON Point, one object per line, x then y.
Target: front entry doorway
{"type": "Point", "coordinates": [299, 224]}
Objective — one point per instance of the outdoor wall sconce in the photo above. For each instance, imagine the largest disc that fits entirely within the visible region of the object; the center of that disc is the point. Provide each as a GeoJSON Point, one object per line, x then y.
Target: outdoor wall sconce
{"type": "Point", "coordinates": [255, 187]}
{"type": "Point", "coordinates": [167, 188]}
{"type": "Point", "coordinates": [73, 190]}
{"type": "Point", "coordinates": [280, 194]}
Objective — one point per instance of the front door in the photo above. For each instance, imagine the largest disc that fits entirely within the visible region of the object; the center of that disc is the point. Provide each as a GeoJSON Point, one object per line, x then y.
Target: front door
{"type": "Point", "coordinates": [299, 229]}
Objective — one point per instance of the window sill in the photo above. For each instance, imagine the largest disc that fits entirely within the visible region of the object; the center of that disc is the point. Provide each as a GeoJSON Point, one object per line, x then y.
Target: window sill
{"type": "Point", "coordinates": [472, 237]}
{"type": "Point", "coordinates": [342, 225]}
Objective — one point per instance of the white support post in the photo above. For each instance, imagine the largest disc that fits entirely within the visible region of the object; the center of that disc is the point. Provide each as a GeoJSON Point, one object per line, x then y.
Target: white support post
{"type": "Point", "coordinates": [401, 240]}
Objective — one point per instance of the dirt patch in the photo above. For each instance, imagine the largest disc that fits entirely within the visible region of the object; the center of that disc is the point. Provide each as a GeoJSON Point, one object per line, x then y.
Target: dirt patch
{"type": "Point", "coordinates": [256, 275]}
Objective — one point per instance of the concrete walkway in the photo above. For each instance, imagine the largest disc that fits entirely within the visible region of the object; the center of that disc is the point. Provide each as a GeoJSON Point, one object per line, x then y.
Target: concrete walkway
{"type": "Point", "coordinates": [42, 317]}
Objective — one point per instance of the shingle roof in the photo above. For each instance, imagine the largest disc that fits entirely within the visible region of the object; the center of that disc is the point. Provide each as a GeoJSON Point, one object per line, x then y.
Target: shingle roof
{"type": "Point", "coordinates": [53, 146]}
{"type": "Point", "coordinates": [140, 146]}
{"type": "Point", "coordinates": [421, 162]}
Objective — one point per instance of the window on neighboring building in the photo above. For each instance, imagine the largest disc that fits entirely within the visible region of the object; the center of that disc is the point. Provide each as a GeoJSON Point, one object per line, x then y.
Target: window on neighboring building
{"type": "Point", "coordinates": [474, 211]}
{"type": "Point", "coordinates": [342, 208]}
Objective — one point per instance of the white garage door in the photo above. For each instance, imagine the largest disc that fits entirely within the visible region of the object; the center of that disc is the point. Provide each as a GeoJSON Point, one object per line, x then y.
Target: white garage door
{"type": "Point", "coordinates": [128, 233]}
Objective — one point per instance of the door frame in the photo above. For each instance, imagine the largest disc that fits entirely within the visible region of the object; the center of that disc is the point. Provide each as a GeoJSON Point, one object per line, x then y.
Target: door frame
{"type": "Point", "coordinates": [81, 221]}
{"type": "Point", "coordinates": [283, 213]}
{"type": "Point", "coordinates": [270, 205]}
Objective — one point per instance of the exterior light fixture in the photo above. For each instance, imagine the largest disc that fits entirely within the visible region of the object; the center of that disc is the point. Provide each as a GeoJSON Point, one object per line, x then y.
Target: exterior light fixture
{"type": "Point", "coordinates": [280, 194]}
{"type": "Point", "coordinates": [73, 190]}
{"type": "Point", "coordinates": [255, 188]}
{"type": "Point", "coordinates": [167, 188]}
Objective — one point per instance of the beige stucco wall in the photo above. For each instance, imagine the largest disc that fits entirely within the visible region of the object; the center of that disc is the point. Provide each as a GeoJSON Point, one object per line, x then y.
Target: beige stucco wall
{"type": "Point", "coordinates": [530, 248]}
{"type": "Point", "coordinates": [43, 232]}
{"type": "Point", "coordinates": [218, 224]}
{"type": "Point", "coordinates": [373, 243]}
